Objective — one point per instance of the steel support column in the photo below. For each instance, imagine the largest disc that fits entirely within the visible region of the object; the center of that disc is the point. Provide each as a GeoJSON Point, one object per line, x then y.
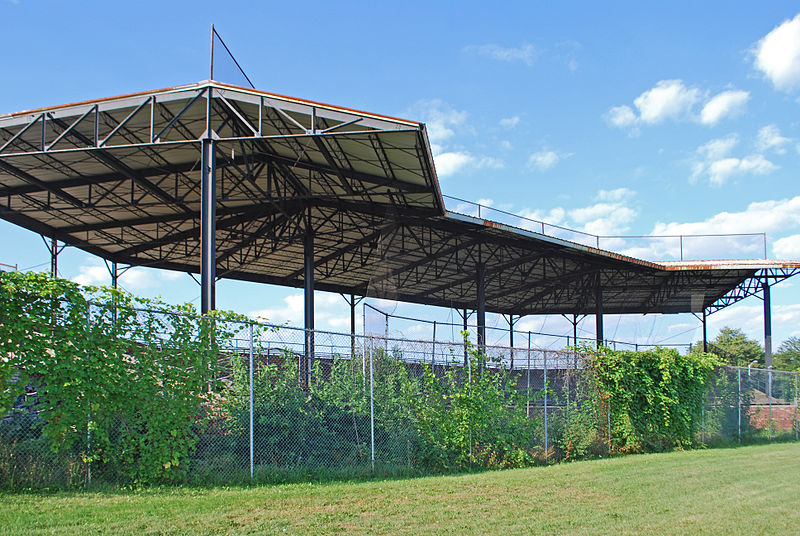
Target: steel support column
{"type": "Point", "coordinates": [308, 291]}
{"type": "Point", "coordinates": [481, 319]}
{"type": "Point", "coordinates": [575, 331]}
{"type": "Point", "coordinates": [53, 257]}
{"type": "Point", "coordinates": [466, 316]}
{"type": "Point", "coordinates": [114, 275]}
{"type": "Point", "coordinates": [705, 332]}
{"type": "Point", "coordinates": [599, 313]}
{"type": "Point", "coordinates": [767, 324]}
{"type": "Point", "coordinates": [208, 212]}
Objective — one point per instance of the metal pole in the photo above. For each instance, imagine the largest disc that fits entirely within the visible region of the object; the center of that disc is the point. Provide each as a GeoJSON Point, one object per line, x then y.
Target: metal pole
{"type": "Point", "coordinates": [528, 390]}
{"type": "Point", "coordinates": [703, 422]}
{"type": "Point", "coordinates": [89, 420]}
{"type": "Point", "coordinates": [385, 336]}
{"type": "Point", "coordinates": [433, 346]}
{"type": "Point", "coordinates": [574, 331]}
{"type": "Point", "coordinates": [364, 344]}
{"type": "Point", "coordinates": [371, 412]}
{"type": "Point", "coordinates": [208, 227]}
{"type": "Point", "coordinates": [481, 307]}
{"type": "Point", "coordinates": [769, 398]}
{"type": "Point", "coordinates": [114, 274]}
{"type": "Point", "coordinates": [308, 262]}
{"type": "Point", "coordinates": [252, 464]}
{"type": "Point", "coordinates": [465, 341]}
{"type": "Point", "coordinates": [599, 313]}
{"type": "Point", "coordinates": [53, 257]}
{"type": "Point", "coordinates": [739, 403]}
{"type": "Point", "coordinates": [511, 338]}
{"type": "Point", "coordinates": [352, 325]}
{"type": "Point", "coordinates": [796, 431]}
{"type": "Point", "coordinates": [608, 417]}
{"type": "Point", "coordinates": [544, 353]}
{"type": "Point", "coordinates": [705, 333]}
{"type": "Point", "coordinates": [767, 325]}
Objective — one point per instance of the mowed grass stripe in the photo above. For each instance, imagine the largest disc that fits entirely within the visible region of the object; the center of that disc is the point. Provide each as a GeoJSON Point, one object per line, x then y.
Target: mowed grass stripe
{"type": "Point", "coordinates": [748, 490]}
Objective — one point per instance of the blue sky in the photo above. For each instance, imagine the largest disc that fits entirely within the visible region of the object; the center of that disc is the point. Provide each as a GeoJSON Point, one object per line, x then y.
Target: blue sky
{"type": "Point", "coordinates": [615, 119]}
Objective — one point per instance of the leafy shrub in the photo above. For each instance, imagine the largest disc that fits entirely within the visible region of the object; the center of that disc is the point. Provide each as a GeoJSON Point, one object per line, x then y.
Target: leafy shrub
{"type": "Point", "coordinates": [121, 390]}
{"type": "Point", "coordinates": [656, 397]}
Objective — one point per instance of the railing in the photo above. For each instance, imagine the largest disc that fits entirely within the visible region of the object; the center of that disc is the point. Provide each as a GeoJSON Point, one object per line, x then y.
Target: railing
{"type": "Point", "coordinates": [743, 246]}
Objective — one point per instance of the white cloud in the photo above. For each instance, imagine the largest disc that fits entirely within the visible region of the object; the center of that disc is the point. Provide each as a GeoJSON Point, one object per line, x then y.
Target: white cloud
{"type": "Point", "coordinates": [440, 119]}
{"type": "Point", "coordinates": [327, 311]}
{"type": "Point", "coordinates": [555, 216]}
{"type": "Point", "coordinates": [777, 55]}
{"type": "Point", "coordinates": [718, 166]}
{"type": "Point", "coordinates": [509, 122]}
{"type": "Point", "coordinates": [771, 217]}
{"type": "Point", "coordinates": [720, 171]}
{"type": "Point", "coordinates": [490, 162]}
{"type": "Point", "coordinates": [668, 99]}
{"type": "Point", "coordinates": [787, 248]}
{"type": "Point", "coordinates": [545, 159]}
{"type": "Point", "coordinates": [609, 216]}
{"type": "Point", "coordinates": [621, 117]}
{"type": "Point", "coordinates": [603, 218]}
{"type": "Point", "coordinates": [750, 319]}
{"type": "Point", "coordinates": [673, 100]}
{"type": "Point", "coordinates": [525, 53]}
{"type": "Point", "coordinates": [761, 216]}
{"type": "Point", "coordinates": [442, 123]}
{"type": "Point", "coordinates": [618, 194]}
{"type": "Point", "coordinates": [718, 148]}
{"type": "Point", "coordinates": [725, 104]}
{"type": "Point", "coordinates": [133, 279]}
{"type": "Point", "coordinates": [451, 163]}
{"type": "Point", "coordinates": [770, 139]}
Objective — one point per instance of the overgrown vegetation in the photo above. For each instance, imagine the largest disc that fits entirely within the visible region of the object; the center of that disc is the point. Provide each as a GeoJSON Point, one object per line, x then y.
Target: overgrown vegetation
{"type": "Point", "coordinates": [140, 392]}
{"type": "Point", "coordinates": [100, 384]}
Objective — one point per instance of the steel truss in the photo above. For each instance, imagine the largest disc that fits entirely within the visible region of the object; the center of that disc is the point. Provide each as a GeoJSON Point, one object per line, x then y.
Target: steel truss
{"type": "Point", "coordinates": [235, 183]}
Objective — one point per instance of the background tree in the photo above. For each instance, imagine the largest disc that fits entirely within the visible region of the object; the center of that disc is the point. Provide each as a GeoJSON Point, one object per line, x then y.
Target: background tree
{"type": "Point", "coordinates": [734, 347]}
{"type": "Point", "coordinates": [788, 355]}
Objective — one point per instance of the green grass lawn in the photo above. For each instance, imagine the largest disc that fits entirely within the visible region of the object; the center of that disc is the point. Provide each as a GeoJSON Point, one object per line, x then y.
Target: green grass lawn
{"type": "Point", "coordinates": [748, 490]}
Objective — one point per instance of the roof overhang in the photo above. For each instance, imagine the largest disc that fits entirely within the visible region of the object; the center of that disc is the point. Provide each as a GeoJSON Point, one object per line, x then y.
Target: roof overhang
{"type": "Point", "coordinates": [120, 178]}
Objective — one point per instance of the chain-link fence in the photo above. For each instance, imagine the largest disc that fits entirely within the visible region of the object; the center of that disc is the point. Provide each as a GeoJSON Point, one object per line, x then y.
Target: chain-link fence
{"type": "Point", "coordinates": [375, 404]}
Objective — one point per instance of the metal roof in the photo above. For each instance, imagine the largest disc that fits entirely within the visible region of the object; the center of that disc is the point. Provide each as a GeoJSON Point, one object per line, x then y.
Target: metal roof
{"type": "Point", "coordinates": [120, 177]}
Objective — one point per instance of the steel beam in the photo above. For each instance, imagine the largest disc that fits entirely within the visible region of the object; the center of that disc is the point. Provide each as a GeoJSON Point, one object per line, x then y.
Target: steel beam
{"type": "Point", "coordinates": [308, 291]}
{"type": "Point", "coordinates": [481, 309]}
{"type": "Point", "coordinates": [705, 332]}
{"type": "Point", "coordinates": [53, 257]}
{"type": "Point", "coordinates": [208, 228]}
{"type": "Point", "coordinates": [598, 315]}
{"type": "Point", "coordinates": [767, 324]}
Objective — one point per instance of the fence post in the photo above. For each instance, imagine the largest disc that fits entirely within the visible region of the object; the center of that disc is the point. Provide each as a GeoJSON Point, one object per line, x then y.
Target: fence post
{"type": "Point", "coordinates": [372, 412]}
{"type": "Point", "coordinates": [545, 406]}
{"type": "Point", "coordinates": [769, 397]}
{"type": "Point", "coordinates": [252, 460]}
{"type": "Point", "coordinates": [89, 419]}
{"type": "Point", "coordinates": [739, 402]}
{"type": "Point", "coordinates": [364, 345]}
{"type": "Point", "coordinates": [528, 390]}
{"type": "Point", "coordinates": [469, 382]}
{"type": "Point", "coordinates": [608, 419]}
{"type": "Point", "coordinates": [795, 408]}
{"type": "Point", "coordinates": [703, 422]}
{"type": "Point", "coordinates": [433, 347]}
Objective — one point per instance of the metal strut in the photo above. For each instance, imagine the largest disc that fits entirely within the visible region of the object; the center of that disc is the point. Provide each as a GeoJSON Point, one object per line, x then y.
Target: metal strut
{"type": "Point", "coordinates": [308, 269]}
